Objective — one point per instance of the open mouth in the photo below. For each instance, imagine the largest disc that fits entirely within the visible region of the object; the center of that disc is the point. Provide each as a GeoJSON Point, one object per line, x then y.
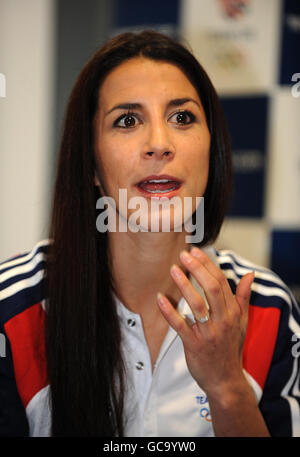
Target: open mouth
{"type": "Point", "coordinates": [159, 186]}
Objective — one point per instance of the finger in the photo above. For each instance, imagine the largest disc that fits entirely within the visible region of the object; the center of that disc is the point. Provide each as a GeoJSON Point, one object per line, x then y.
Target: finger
{"type": "Point", "coordinates": [215, 271]}
{"type": "Point", "coordinates": [243, 292]}
{"type": "Point", "coordinates": [196, 302]}
{"type": "Point", "coordinates": [211, 286]}
{"type": "Point", "coordinates": [174, 319]}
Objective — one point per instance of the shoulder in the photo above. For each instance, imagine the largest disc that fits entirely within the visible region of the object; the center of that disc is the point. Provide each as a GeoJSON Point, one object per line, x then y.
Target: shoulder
{"type": "Point", "coordinates": [273, 318]}
{"type": "Point", "coordinates": [22, 281]}
{"type": "Point", "coordinates": [268, 289]}
{"type": "Point", "coordinates": [23, 370]}
{"type": "Point", "coordinates": [270, 354]}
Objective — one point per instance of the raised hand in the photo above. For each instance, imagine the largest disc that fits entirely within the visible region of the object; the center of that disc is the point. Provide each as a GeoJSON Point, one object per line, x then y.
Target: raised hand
{"type": "Point", "coordinates": [213, 345]}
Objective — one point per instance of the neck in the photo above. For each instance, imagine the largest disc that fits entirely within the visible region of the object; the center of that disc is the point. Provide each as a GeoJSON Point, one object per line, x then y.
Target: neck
{"type": "Point", "coordinates": [141, 265]}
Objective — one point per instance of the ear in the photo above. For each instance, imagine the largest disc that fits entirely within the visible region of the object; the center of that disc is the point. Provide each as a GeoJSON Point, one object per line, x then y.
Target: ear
{"type": "Point", "coordinates": [97, 183]}
{"type": "Point", "coordinates": [96, 180]}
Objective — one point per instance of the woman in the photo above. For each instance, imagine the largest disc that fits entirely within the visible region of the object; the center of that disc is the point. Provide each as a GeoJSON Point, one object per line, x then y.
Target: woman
{"type": "Point", "coordinates": [135, 333]}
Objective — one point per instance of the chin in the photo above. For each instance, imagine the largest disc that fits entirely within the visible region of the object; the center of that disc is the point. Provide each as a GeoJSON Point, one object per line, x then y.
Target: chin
{"type": "Point", "coordinates": [159, 217]}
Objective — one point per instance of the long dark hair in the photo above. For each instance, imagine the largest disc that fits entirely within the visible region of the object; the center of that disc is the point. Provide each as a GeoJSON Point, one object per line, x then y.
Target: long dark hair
{"type": "Point", "coordinates": [83, 337]}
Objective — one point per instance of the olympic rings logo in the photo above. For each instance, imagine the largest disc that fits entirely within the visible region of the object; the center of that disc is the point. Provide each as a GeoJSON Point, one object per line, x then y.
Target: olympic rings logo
{"type": "Point", "coordinates": [204, 412]}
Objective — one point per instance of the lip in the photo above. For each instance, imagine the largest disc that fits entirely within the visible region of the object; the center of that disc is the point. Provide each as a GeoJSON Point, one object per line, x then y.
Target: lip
{"type": "Point", "coordinates": [153, 194]}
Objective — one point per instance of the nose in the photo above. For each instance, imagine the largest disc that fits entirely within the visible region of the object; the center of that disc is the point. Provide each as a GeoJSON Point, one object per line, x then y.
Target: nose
{"type": "Point", "coordinates": [158, 143]}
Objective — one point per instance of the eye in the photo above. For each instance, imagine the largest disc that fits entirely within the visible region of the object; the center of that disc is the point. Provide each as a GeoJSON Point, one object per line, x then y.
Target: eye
{"type": "Point", "coordinates": [126, 121]}
{"type": "Point", "coordinates": [183, 117]}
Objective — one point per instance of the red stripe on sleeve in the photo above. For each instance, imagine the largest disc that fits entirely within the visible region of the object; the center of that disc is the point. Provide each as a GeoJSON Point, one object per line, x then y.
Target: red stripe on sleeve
{"type": "Point", "coordinates": [260, 341]}
{"type": "Point", "coordinates": [25, 332]}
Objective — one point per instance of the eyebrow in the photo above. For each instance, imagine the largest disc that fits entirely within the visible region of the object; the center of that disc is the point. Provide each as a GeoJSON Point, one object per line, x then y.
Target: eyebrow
{"type": "Point", "coordinates": [132, 106]}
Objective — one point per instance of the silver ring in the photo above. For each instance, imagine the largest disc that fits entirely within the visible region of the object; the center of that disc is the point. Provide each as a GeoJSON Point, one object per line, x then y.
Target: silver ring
{"type": "Point", "coordinates": [203, 319]}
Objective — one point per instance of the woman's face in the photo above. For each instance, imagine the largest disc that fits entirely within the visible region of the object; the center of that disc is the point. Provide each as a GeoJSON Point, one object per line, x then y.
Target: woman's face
{"type": "Point", "coordinates": [151, 134]}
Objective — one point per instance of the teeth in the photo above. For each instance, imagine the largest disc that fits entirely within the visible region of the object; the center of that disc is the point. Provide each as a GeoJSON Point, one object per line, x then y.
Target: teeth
{"type": "Point", "coordinates": [159, 180]}
{"type": "Point", "coordinates": [161, 191]}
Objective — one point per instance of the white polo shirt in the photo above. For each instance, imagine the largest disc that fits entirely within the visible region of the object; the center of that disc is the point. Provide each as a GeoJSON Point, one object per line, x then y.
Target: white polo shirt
{"type": "Point", "coordinates": [167, 402]}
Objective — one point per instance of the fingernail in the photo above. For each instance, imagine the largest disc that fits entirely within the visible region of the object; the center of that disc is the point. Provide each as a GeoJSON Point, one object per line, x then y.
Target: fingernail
{"type": "Point", "coordinates": [195, 252]}
{"type": "Point", "coordinates": [160, 299]}
{"type": "Point", "coordinates": [186, 257]}
{"type": "Point", "coordinates": [175, 271]}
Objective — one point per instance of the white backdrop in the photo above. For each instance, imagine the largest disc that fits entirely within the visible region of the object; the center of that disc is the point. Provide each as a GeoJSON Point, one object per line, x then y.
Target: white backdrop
{"type": "Point", "coordinates": [26, 160]}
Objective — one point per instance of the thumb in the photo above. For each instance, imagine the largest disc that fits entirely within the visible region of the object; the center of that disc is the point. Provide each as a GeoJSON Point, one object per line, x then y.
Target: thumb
{"type": "Point", "coordinates": [243, 291]}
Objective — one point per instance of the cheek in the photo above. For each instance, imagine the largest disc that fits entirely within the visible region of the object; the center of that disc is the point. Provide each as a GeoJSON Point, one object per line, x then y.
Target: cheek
{"type": "Point", "coordinates": [202, 167]}
{"type": "Point", "coordinates": [199, 152]}
{"type": "Point", "coordinates": [105, 164]}
{"type": "Point", "coordinates": [198, 162]}
{"type": "Point", "coordinates": [112, 158]}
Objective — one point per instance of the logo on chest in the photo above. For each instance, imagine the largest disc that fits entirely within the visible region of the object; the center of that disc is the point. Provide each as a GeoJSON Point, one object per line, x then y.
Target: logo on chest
{"type": "Point", "coordinates": [204, 407]}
